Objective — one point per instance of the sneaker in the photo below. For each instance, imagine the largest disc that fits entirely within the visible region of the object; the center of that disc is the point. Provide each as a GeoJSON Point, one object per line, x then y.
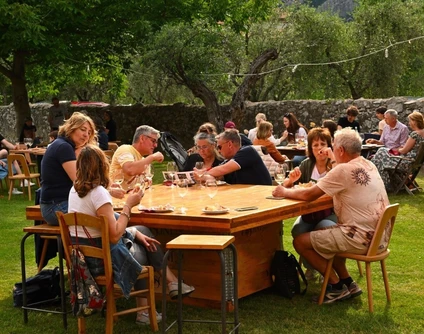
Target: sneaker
{"type": "Point", "coordinates": [354, 290]}
{"type": "Point", "coordinates": [16, 192]}
{"type": "Point", "coordinates": [333, 295]}
{"type": "Point", "coordinates": [173, 289]}
{"type": "Point", "coordinates": [26, 183]}
{"type": "Point", "coordinates": [143, 318]}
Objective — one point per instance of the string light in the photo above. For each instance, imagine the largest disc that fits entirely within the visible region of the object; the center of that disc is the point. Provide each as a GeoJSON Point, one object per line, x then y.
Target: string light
{"type": "Point", "coordinates": [294, 66]}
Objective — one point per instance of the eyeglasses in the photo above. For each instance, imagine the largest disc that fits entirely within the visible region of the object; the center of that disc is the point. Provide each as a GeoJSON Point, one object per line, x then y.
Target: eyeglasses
{"type": "Point", "coordinates": [203, 147]}
{"type": "Point", "coordinates": [219, 147]}
{"type": "Point", "coordinates": [154, 140]}
{"type": "Point", "coordinates": [287, 115]}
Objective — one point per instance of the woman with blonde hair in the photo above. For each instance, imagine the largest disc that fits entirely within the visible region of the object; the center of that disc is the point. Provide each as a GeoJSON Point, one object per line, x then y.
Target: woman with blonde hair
{"type": "Point", "coordinates": [58, 167]}
{"type": "Point", "coordinates": [383, 158]}
{"type": "Point", "coordinates": [262, 139]}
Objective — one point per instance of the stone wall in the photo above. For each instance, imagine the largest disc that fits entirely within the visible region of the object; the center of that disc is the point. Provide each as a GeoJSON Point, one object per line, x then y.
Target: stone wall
{"type": "Point", "coordinates": [183, 120]}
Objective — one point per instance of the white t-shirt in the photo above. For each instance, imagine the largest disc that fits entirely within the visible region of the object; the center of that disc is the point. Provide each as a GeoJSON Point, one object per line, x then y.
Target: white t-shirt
{"type": "Point", "coordinates": [359, 197]}
{"type": "Point", "coordinates": [88, 205]}
{"type": "Point", "coordinates": [254, 131]}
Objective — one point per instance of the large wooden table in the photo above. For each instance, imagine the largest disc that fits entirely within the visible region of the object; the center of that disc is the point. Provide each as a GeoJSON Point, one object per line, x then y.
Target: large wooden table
{"type": "Point", "coordinates": [291, 151]}
{"type": "Point", "coordinates": [258, 233]}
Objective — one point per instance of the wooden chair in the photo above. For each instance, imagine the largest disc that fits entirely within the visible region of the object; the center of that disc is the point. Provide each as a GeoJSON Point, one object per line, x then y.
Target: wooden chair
{"type": "Point", "coordinates": [106, 280]}
{"type": "Point", "coordinates": [403, 175]}
{"type": "Point", "coordinates": [387, 220]}
{"type": "Point", "coordinates": [112, 146]}
{"type": "Point", "coordinates": [26, 175]}
{"type": "Point", "coordinates": [32, 165]}
{"type": "Point", "coordinates": [109, 154]}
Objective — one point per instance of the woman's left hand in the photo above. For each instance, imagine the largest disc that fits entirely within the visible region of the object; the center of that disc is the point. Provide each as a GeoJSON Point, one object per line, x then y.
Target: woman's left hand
{"type": "Point", "coordinates": [148, 242]}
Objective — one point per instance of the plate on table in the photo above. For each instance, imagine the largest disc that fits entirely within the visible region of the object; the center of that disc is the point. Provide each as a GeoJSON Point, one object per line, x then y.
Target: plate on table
{"type": "Point", "coordinates": [215, 211]}
{"type": "Point", "coordinates": [157, 209]}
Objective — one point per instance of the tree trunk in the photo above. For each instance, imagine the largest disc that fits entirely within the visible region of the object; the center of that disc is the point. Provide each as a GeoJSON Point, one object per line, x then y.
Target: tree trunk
{"type": "Point", "coordinates": [19, 91]}
{"type": "Point", "coordinates": [214, 111]}
{"type": "Point", "coordinates": [242, 93]}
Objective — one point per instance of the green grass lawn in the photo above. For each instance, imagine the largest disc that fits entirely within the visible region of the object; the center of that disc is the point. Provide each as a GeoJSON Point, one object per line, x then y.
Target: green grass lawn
{"type": "Point", "coordinates": [263, 312]}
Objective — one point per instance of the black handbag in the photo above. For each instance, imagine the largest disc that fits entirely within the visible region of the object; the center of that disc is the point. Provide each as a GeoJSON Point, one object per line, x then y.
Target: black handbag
{"type": "Point", "coordinates": [43, 287]}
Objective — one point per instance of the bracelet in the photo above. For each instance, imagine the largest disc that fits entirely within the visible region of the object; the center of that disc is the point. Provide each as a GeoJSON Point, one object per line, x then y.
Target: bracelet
{"type": "Point", "coordinates": [125, 214]}
{"type": "Point", "coordinates": [126, 205]}
{"type": "Point", "coordinates": [333, 162]}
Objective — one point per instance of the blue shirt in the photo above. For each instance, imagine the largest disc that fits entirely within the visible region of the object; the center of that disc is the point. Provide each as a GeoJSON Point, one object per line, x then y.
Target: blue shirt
{"type": "Point", "coordinates": [252, 169]}
{"type": "Point", "coordinates": [55, 182]}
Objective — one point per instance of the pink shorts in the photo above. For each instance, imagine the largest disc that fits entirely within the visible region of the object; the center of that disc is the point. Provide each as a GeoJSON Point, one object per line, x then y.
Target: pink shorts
{"type": "Point", "coordinates": [332, 240]}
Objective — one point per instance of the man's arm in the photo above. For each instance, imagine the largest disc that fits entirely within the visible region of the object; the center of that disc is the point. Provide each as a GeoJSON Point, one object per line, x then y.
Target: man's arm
{"type": "Point", "coordinates": [137, 167]}
{"type": "Point", "coordinates": [303, 194]}
{"type": "Point", "coordinates": [227, 168]}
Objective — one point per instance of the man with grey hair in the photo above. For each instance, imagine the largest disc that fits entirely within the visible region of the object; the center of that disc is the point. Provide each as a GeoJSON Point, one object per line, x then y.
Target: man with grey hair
{"type": "Point", "coordinates": [242, 164]}
{"type": "Point", "coordinates": [394, 135]}
{"type": "Point", "coordinates": [359, 199]}
{"type": "Point", "coordinates": [130, 158]}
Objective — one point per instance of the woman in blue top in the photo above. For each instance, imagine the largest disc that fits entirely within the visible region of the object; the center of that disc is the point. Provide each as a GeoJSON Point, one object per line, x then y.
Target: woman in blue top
{"type": "Point", "coordinates": [58, 167]}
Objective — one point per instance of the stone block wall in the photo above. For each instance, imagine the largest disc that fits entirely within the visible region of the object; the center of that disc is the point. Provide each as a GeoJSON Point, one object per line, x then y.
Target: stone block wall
{"type": "Point", "coordinates": [183, 120]}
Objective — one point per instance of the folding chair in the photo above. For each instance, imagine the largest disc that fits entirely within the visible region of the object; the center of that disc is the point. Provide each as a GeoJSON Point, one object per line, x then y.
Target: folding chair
{"type": "Point", "coordinates": [403, 175]}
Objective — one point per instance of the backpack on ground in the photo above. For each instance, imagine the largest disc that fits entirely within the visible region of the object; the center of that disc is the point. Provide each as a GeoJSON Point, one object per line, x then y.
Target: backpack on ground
{"type": "Point", "coordinates": [173, 149]}
{"type": "Point", "coordinates": [285, 272]}
{"type": "Point", "coordinates": [43, 287]}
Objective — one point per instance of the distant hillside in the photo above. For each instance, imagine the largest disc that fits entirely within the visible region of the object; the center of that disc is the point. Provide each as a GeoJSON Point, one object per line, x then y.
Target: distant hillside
{"type": "Point", "coordinates": [343, 8]}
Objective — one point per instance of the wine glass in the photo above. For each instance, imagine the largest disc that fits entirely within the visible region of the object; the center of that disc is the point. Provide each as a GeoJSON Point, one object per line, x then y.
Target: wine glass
{"type": "Point", "coordinates": [171, 167]}
{"type": "Point", "coordinates": [211, 187]}
{"type": "Point", "coordinates": [118, 178]}
{"type": "Point", "coordinates": [182, 187]}
{"type": "Point", "coordinates": [148, 174]}
{"type": "Point", "coordinates": [280, 173]}
{"type": "Point", "coordinates": [200, 169]}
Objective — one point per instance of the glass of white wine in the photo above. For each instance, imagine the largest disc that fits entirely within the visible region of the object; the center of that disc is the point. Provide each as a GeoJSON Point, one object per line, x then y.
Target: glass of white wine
{"type": "Point", "coordinates": [148, 174]}
{"type": "Point", "coordinates": [182, 187]}
{"type": "Point", "coordinates": [171, 167]}
{"type": "Point", "coordinates": [280, 173]}
{"type": "Point", "coordinates": [211, 187]}
{"type": "Point", "coordinates": [118, 178]}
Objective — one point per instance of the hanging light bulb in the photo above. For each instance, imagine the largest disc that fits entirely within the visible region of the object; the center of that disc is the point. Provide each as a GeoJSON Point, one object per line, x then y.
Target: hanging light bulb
{"type": "Point", "coordinates": [386, 53]}
{"type": "Point", "coordinates": [294, 68]}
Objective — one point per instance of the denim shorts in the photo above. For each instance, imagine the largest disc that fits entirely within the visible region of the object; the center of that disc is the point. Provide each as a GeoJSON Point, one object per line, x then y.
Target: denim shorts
{"type": "Point", "coordinates": [48, 211]}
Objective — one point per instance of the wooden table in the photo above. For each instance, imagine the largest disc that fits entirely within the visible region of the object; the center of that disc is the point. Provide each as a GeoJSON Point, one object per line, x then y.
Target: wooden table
{"type": "Point", "coordinates": [258, 233]}
{"type": "Point", "coordinates": [291, 151]}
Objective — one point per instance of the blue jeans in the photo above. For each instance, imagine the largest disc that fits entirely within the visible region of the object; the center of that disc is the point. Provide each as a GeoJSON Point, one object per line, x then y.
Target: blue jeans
{"type": "Point", "coordinates": [300, 227]}
{"type": "Point", "coordinates": [48, 211]}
